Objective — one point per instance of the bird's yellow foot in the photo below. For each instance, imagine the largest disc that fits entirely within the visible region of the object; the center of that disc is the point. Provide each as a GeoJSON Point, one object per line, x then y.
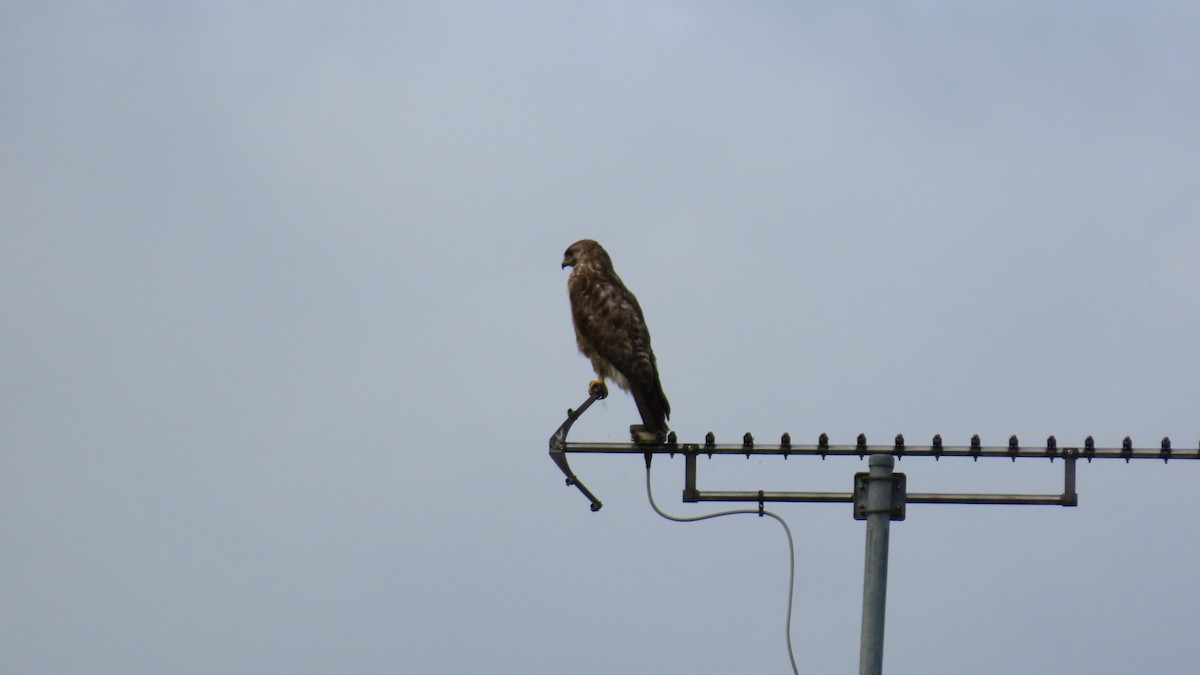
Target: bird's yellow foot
{"type": "Point", "coordinates": [598, 389]}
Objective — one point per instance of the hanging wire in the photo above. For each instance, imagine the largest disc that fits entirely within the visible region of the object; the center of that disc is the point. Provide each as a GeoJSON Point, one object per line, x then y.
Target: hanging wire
{"type": "Point", "coordinates": [754, 512]}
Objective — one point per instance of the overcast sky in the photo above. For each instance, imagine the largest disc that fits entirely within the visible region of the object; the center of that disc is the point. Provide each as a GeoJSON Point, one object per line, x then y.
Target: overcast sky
{"type": "Point", "coordinates": [285, 331]}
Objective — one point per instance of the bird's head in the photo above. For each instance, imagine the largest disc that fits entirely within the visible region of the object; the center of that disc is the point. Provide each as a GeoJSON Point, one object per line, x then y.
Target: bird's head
{"type": "Point", "coordinates": [582, 251]}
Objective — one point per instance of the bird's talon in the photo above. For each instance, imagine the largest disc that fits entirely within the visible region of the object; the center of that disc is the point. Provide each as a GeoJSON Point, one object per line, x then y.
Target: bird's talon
{"type": "Point", "coordinates": [598, 389]}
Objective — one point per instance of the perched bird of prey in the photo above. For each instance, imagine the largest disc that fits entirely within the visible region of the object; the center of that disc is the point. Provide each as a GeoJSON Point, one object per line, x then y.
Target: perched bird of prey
{"type": "Point", "coordinates": [611, 331]}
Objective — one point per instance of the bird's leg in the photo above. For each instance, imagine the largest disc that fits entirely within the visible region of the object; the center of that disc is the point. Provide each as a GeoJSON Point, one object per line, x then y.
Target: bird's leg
{"type": "Point", "coordinates": [598, 389]}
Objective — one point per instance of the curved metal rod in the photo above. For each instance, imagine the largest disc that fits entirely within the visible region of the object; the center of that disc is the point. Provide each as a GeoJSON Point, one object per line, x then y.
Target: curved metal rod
{"type": "Point", "coordinates": [558, 444]}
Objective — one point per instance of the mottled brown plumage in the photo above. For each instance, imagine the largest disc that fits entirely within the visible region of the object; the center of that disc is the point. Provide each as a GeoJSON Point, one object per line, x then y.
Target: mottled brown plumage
{"type": "Point", "coordinates": [611, 331]}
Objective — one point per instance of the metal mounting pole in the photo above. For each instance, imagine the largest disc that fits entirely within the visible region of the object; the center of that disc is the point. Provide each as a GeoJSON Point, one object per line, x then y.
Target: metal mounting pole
{"type": "Point", "coordinates": [879, 516]}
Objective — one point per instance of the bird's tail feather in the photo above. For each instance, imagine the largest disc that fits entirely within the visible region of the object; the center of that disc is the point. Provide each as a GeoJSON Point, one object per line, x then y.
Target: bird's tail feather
{"type": "Point", "coordinates": [653, 407]}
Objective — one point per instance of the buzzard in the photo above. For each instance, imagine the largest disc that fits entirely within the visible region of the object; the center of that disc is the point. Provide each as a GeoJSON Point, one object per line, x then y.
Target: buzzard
{"type": "Point", "coordinates": [611, 331]}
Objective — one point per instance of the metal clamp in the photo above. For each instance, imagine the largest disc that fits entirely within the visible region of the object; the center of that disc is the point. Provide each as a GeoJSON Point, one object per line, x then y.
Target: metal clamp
{"type": "Point", "coordinates": [899, 495]}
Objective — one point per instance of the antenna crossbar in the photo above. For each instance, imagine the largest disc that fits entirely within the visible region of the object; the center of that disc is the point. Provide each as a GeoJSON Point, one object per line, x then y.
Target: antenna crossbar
{"type": "Point", "coordinates": [863, 451]}
{"type": "Point", "coordinates": [560, 448]}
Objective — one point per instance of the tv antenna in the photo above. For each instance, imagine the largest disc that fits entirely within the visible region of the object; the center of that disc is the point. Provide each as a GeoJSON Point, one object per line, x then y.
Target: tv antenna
{"type": "Point", "coordinates": [879, 496]}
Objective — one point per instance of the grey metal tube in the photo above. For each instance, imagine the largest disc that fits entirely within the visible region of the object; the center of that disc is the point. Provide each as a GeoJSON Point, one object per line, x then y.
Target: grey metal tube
{"type": "Point", "coordinates": [879, 515]}
{"type": "Point", "coordinates": [956, 498]}
{"type": "Point", "coordinates": [767, 496]}
{"type": "Point", "coordinates": [847, 497]}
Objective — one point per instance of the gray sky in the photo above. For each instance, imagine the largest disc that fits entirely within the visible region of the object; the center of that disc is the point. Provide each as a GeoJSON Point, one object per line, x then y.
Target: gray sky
{"type": "Point", "coordinates": [285, 331]}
